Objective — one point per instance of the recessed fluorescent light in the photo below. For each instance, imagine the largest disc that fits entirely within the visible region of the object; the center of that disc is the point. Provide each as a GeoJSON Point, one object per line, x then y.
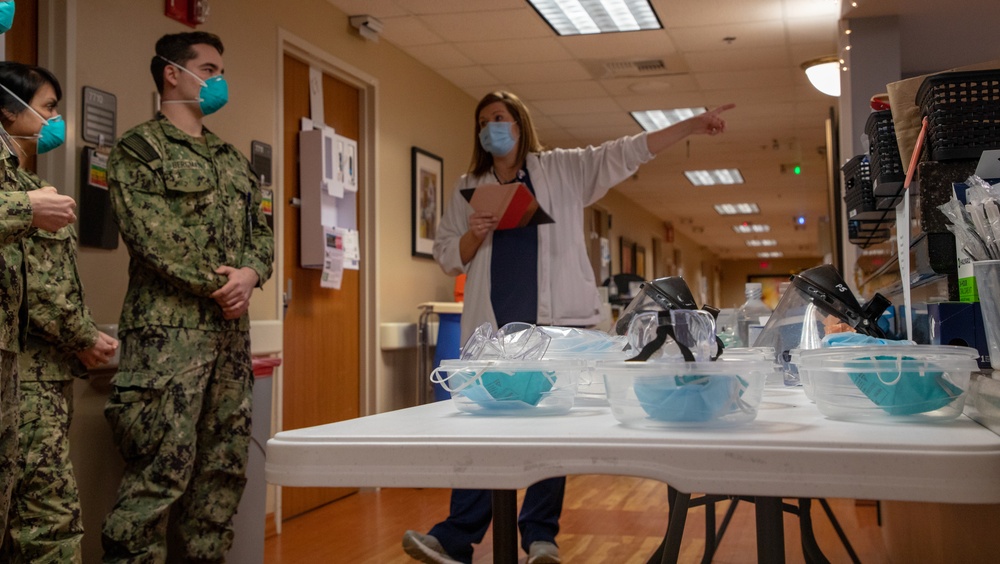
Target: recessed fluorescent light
{"type": "Point", "coordinates": [752, 228]}
{"type": "Point", "coordinates": [713, 177]}
{"type": "Point", "coordinates": [737, 209]}
{"type": "Point", "coordinates": [655, 120]}
{"type": "Point", "coordinates": [578, 17]}
{"type": "Point", "coordinates": [761, 243]}
{"type": "Point", "coordinates": [771, 254]}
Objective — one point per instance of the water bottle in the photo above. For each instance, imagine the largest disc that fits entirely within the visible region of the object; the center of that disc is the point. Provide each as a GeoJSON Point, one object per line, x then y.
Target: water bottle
{"type": "Point", "coordinates": [751, 315]}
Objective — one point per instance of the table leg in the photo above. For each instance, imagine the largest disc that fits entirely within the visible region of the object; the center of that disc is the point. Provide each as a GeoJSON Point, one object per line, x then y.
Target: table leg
{"type": "Point", "coordinates": [505, 526]}
{"type": "Point", "coordinates": [675, 528]}
{"type": "Point", "coordinates": [770, 530]}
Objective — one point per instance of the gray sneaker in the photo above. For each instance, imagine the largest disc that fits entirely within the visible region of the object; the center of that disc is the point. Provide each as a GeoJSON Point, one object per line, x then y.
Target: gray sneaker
{"type": "Point", "coordinates": [541, 552]}
{"type": "Point", "coordinates": [425, 548]}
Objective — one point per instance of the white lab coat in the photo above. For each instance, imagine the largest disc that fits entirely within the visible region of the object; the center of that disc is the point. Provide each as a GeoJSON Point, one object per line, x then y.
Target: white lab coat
{"type": "Point", "coordinates": [565, 181]}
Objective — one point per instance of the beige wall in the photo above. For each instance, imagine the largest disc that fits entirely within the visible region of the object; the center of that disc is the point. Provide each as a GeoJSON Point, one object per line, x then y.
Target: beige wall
{"type": "Point", "coordinates": [635, 223]}
{"type": "Point", "coordinates": [735, 273]}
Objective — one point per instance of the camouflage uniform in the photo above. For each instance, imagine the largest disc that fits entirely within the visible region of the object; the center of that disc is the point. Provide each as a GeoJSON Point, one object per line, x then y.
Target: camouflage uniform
{"type": "Point", "coordinates": [45, 523]}
{"type": "Point", "coordinates": [180, 408]}
{"type": "Point", "coordinates": [15, 224]}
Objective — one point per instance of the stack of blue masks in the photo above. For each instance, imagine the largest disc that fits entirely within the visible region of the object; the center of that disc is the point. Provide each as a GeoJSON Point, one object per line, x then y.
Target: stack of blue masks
{"type": "Point", "coordinates": [684, 398]}
{"type": "Point", "coordinates": [503, 388]}
{"type": "Point", "coordinates": [897, 392]}
{"type": "Point", "coordinates": [695, 398]}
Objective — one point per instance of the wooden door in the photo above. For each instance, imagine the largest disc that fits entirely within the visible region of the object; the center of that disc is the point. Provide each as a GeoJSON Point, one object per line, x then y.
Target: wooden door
{"type": "Point", "coordinates": [321, 326]}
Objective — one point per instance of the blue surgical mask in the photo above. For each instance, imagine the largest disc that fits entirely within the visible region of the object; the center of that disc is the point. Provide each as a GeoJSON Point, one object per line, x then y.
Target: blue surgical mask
{"type": "Point", "coordinates": [496, 138]}
{"type": "Point", "coordinates": [6, 16]}
{"type": "Point", "coordinates": [53, 133]}
{"type": "Point", "coordinates": [213, 95]}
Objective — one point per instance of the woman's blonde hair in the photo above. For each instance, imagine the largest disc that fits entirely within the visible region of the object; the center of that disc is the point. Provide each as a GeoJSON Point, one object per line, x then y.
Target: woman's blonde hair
{"type": "Point", "coordinates": [482, 160]}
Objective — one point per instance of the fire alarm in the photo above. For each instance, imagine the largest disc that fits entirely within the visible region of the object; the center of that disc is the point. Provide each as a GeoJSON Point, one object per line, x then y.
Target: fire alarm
{"type": "Point", "coordinates": [189, 12]}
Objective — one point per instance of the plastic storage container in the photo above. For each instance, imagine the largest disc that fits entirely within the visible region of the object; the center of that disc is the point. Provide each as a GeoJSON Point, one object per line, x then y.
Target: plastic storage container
{"type": "Point", "coordinates": [963, 113]}
{"type": "Point", "coordinates": [511, 387]}
{"type": "Point", "coordinates": [887, 173]}
{"type": "Point", "coordinates": [889, 383]}
{"type": "Point", "coordinates": [657, 395]}
{"type": "Point", "coordinates": [858, 196]}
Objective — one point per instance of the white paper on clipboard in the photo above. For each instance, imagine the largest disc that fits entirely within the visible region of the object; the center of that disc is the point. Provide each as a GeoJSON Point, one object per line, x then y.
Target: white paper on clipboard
{"type": "Point", "coordinates": [903, 252]}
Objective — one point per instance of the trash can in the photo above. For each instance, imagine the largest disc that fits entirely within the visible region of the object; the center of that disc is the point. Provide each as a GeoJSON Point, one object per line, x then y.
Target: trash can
{"type": "Point", "coordinates": [448, 345]}
{"type": "Point", "coordinates": [248, 523]}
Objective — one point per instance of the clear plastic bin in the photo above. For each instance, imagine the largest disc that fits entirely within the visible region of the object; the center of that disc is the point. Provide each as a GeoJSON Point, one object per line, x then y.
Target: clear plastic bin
{"type": "Point", "coordinates": [659, 395]}
{"type": "Point", "coordinates": [511, 387]}
{"type": "Point", "coordinates": [888, 383]}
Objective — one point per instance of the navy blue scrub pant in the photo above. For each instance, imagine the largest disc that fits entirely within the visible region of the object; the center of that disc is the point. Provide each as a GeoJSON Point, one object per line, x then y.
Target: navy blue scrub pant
{"type": "Point", "coordinates": [472, 512]}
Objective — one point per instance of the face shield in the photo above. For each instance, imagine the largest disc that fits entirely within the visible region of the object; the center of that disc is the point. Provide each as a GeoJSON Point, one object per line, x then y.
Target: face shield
{"type": "Point", "coordinates": [817, 303]}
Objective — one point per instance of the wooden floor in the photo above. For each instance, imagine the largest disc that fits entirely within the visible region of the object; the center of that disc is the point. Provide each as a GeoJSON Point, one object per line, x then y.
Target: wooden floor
{"type": "Point", "coordinates": [605, 519]}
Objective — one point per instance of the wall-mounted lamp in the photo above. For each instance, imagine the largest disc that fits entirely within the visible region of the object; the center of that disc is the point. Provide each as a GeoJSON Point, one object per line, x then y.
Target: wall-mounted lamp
{"type": "Point", "coordinates": [368, 26]}
{"type": "Point", "coordinates": [824, 74]}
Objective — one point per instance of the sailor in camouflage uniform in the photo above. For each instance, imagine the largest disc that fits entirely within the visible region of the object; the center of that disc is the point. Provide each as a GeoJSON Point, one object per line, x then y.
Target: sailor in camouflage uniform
{"type": "Point", "coordinates": [188, 207]}
{"type": "Point", "coordinates": [62, 341]}
{"type": "Point", "coordinates": [20, 214]}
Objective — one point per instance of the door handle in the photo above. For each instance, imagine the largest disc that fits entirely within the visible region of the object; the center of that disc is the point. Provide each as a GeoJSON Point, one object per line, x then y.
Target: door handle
{"type": "Point", "coordinates": [286, 298]}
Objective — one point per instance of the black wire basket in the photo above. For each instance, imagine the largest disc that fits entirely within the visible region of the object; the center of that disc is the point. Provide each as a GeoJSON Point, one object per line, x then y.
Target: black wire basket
{"type": "Point", "coordinates": [858, 196]}
{"type": "Point", "coordinates": [887, 172]}
{"type": "Point", "coordinates": [963, 113]}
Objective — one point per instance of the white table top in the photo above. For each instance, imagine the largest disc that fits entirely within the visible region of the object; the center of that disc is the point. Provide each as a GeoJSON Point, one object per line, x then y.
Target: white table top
{"type": "Point", "coordinates": [790, 450]}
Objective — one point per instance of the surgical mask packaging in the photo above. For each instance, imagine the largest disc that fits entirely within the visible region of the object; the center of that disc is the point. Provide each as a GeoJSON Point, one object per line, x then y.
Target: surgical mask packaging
{"type": "Point", "coordinates": [497, 138]}
{"type": "Point", "coordinates": [214, 93]}
{"type": "Point", "coordinates": [817, 303]}
{"type": "Point", "coordinates": [6, 15]}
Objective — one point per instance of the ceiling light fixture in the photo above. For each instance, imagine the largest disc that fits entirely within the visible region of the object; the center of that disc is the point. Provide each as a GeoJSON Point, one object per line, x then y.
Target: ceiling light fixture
{"type": "Point", "coordinates": [770, 254]}
{"type": "Point", "coordinates": [752, 228]}
{"type": "Point", "coordinates": [737, 209]}
{"type": "Point", "coordinates": [580, 17]}
{"type": "Point", "coordinates": [824, 74]}
{"type": "Point", "coordinates": [761, 242]}
{"type": "Point", "coordinates": [713, 177]}
{"type": "Point", "coordinates": [655, 120]}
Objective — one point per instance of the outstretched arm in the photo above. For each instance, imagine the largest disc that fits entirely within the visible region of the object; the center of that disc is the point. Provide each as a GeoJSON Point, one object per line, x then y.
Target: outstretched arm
{"type": "Point", "coordinates": [708, 123]}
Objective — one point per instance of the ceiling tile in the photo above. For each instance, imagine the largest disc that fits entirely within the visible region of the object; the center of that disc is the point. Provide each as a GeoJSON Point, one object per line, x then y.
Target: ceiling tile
{"type": "Point", "coordinates": [584, 106]}
{"type": "Point", "coordinates": [422, 7]}
{"type": "Point", "coordinates": [539, 72]}
{"type": "Point", "coordinates": [408, 31]}
{"type": "Point", "coordinates": [488, 25]}
{"type": "Point", "coordinates": [504, 51]}
{"type": "Point", "coordinates": [674, 14]}
{"type": "Point", "coordinates": [378, 8]}
{"type": "Point", "coordinates": [467, 77]}
{"type": "Point", "coordinates": [739, 59]}
{"type": "Point", "coordinates": [559, 90]}
{"type": "Point", "coordinates": [712, 37]}
{"type": "Point", "coordinates": [440, 56]}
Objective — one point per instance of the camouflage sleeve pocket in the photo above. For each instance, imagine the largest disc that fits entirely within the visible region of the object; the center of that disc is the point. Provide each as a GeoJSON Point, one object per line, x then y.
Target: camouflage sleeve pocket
{"type": "Point", "coordinates": [136, 412]}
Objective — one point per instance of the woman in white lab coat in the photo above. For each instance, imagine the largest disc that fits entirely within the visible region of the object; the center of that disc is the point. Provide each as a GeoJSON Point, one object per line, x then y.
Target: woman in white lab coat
{"type": "Point", "coordinates": [537, 274]}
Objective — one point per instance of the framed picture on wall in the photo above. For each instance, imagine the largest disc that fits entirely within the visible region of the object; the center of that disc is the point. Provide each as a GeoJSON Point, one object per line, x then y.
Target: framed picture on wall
{"type": "Point", "coordinates": [626, 254]}
{"type": "Point", "coordinates": [427, 200]}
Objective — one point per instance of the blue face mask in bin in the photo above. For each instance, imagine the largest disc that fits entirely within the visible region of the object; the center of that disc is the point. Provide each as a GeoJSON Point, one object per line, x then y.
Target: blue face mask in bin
{"type": "Point", "coordinates": [493, 386]}
{"type": "Point", "coordinates": [692, 398]}
{"type": "Point", "coordinates": [895, 391]}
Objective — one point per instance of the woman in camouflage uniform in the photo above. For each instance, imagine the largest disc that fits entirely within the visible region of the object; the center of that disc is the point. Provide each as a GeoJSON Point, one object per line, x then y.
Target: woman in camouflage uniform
{"type": "Point", "coordinates": [62, 342]}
